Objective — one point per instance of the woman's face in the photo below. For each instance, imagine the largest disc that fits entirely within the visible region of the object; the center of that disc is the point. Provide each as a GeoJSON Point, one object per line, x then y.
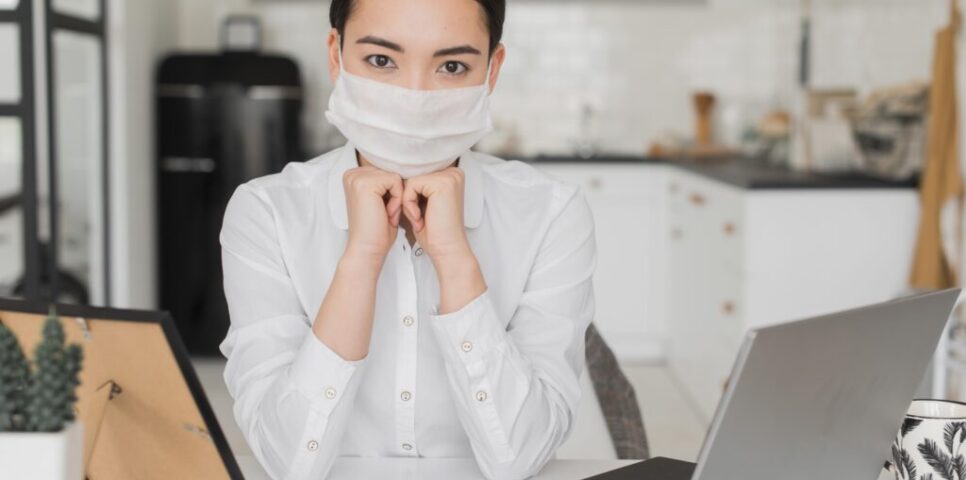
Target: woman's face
{"type": "Point", "coordinates": [416, 44]}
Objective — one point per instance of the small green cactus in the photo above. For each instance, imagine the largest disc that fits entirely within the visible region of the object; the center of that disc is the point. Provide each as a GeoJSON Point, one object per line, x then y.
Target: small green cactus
{"type": "Point", "coordinates": [40, 399]}
{"type": "Point", "coordinates": [14, 377]}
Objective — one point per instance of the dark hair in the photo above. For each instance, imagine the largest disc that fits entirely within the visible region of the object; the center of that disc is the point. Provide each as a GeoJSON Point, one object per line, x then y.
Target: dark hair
{"type": "Point", "coordinates": [493, 10]}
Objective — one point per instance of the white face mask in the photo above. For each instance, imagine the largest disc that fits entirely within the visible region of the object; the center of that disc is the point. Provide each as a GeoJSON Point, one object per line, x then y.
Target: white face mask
{"type": "Point", "coordinates": [409, 132]}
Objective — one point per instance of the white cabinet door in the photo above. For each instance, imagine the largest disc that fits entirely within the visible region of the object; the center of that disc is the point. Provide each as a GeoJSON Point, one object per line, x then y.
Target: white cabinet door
{"type": "Point", "coordinates": [705, 285]}
{"type": "Point", "coordinates": [626, 201]}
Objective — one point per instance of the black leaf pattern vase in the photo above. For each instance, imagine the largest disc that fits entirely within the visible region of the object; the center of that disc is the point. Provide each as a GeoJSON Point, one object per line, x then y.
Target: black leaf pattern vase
{"type": "Point", "coordinates": [931, 443]}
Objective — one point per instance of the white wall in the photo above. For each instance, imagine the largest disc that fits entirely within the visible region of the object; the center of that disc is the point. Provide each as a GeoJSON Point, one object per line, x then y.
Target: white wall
{"type": "Point", "coordinates": [634, 63]}
{"type": "Point", "coordinates": [140, 31]}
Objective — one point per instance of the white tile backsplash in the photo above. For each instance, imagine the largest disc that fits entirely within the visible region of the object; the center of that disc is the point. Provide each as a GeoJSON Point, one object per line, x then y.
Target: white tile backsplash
{"type": "Point", "coordinates": [634, 64]}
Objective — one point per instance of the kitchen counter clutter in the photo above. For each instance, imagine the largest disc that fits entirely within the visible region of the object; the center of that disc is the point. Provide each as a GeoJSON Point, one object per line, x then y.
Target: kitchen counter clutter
{"type": "Point", "coordinates": [751, 174]}
{"type": "Point", "coordinates": [754, 175]}
{"type": "Point", "coordinates": [690, 257]}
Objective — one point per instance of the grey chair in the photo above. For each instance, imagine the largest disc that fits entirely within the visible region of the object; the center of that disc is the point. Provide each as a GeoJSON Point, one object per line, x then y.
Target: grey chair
{"type": "Point", "coordinates": [617, 399]}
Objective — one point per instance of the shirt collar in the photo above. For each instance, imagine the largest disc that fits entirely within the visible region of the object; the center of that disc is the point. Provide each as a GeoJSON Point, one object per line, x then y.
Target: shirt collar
{"type": "Point", "coordinates": [472, 193]}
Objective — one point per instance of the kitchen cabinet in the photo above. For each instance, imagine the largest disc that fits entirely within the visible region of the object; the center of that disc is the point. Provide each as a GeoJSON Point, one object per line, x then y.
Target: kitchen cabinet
{"type": "Point", "coordinates": [627, 200]}
{"type": "Point", "coordinates": [743, 258]}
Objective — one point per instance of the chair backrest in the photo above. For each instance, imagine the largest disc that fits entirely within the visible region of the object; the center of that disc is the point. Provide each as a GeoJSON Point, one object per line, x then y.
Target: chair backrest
{"type": "Point", "coordinates": [617, 399]}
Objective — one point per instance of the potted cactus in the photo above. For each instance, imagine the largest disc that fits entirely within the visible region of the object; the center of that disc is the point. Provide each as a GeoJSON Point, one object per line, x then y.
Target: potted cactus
{"type": "Point", "coordinates": [39, 436]}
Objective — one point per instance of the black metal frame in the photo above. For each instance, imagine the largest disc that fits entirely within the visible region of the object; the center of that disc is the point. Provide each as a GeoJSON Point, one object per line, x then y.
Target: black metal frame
{"type": "Point", "coordinates": [54, 21]}
{"type": "Point", "coordinates": [164, 320]}
{"type": "Point", "coordinates": [25, 111]}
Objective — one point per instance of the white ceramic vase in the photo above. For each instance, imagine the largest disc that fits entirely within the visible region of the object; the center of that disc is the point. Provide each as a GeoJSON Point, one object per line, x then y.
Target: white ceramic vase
{"type": "Point", "coordinates": [43, 456]}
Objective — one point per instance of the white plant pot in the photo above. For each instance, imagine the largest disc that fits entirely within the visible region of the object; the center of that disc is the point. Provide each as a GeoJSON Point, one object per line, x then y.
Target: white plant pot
{"type": "Point", "coordinates": [43, 456]}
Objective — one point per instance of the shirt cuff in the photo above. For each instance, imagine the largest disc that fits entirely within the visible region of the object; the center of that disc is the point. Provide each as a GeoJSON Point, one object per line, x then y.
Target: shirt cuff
{"type": "Point", "coordinates": [471, 332]}
{"type": "Point", "coordinates": [321, 374]}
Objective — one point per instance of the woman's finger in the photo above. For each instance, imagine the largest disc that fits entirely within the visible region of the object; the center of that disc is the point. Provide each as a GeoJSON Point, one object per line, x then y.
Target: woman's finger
{"type": "Point", "coordinates": [410, 202]}
{"type": "Point", "coordinates": [394, 219]}
{"type": "Point", "coordinates": [394, 190]}
{"type": "Point", "coordinates": [393, 212]}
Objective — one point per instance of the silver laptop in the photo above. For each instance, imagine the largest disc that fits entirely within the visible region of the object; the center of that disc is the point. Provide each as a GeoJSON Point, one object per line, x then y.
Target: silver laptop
{"type": "Point", "coordinates": [823, 398]}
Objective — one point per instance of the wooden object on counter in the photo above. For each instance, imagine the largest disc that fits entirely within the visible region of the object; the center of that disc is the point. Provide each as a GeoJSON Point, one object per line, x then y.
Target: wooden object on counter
{"type": "Point", "coordinates": [691, 153]}
{"type": "Point", "coordinates": [703, 147]}
{"type": "Point", "coordinates": [933, 266]}
{"type": "Point", "coordinates": [703, 109]}
{"type": "Point", "coordinates": [777, 124]}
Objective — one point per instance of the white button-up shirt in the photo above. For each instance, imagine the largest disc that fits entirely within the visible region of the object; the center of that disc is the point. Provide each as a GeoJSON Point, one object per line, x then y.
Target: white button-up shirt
{"type": "Point", "coordinates": [496, 379]}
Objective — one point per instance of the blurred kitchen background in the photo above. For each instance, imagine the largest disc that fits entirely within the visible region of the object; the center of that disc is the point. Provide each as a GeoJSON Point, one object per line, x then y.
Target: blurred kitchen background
{"type": "Point", "coordinates": [748, 162]}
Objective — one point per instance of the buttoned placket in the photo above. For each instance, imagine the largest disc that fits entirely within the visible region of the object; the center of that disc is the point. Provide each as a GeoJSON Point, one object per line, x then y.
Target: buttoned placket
{"type": "Point", "coordinates": [408, 327]}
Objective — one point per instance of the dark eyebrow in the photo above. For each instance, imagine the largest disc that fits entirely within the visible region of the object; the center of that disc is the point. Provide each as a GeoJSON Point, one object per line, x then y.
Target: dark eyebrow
{"type": "Point", "coordinates": [382, 42]}
{"type": "Point", "coordinates": [462, 49]}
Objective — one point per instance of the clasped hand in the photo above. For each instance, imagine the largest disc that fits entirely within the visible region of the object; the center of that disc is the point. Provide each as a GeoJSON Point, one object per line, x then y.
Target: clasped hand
{"type": "Point", "coordinates": [432, 203]}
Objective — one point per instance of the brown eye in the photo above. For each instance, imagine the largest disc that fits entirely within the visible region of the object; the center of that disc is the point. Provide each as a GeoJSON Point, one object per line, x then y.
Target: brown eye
{"type": "Point", "coordinates": [380, 61]}
{"type": "Point", "coordinates": [454, 68]}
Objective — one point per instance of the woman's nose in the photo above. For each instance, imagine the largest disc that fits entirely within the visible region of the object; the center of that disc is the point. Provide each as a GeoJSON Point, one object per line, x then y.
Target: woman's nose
{"type": "Point", "coordinates": [419, 81]}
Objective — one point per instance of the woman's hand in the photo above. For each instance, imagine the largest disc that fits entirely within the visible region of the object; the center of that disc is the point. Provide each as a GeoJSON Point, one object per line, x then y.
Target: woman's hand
{"type": "Point", "coordinates": [433, 204]}
{"type": "Point", "coordinates": [373, 200]}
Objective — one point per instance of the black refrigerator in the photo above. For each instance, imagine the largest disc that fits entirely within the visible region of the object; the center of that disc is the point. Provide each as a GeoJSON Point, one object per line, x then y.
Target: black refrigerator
{"type": "Point", "coordinates": [222, 119]}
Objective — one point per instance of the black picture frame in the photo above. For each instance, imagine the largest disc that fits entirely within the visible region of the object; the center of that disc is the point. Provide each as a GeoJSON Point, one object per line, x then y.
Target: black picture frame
{"type": "Point", "coordinates": [165, 321]}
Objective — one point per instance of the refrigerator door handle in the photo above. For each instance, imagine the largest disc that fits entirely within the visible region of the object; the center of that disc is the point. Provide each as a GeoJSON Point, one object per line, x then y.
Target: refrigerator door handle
{"type": "Point", "coordinates": [188, 164]}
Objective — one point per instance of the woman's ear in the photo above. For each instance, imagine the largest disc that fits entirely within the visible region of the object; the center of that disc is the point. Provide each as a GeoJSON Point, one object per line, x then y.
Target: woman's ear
{"type": "Point", "coordinates": [499, 54]}
{"type": "Point", "coordinates": [333, 43]}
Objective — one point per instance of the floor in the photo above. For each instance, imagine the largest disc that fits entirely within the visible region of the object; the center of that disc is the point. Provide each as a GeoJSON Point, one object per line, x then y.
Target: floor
{"type": "Point", "coordinates": [674, 429]}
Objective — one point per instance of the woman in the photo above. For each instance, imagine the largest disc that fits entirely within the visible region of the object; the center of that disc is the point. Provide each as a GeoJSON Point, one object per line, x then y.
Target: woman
{"type": "Point", "coordinates": [402, 295]}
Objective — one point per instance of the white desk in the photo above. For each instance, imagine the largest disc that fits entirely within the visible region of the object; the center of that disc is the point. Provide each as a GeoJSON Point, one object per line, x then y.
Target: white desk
{"type": "Point", "coordinates": [353, 468]}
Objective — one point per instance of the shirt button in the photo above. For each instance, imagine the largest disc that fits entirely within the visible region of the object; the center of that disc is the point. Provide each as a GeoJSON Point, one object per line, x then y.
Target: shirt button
{"type": "Point", "coordinates": [407, 447]}
{"type": "Point", "coordinates": [408, 321]}
{"type": "Point", "coordinates": [405, 396]}
{"type": "Point", "coordinates": [419, 251]}
{"type": "Point", "coordinates": [481, 396]}
{"type": "Point", "coordinates": [312, 445]}
{"type": "Point", "coordinates": [330, 393]}
{"type": "Point", "coordinates": [466, 346]}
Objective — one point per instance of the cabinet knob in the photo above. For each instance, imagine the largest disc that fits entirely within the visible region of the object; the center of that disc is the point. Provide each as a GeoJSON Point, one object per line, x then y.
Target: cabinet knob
{"type": "Point", "coordinates": [673, 187]}
{"type": "Point", "coordinates": [677, 234]}
{"type": "Point", "coordinates": [697, 199]}
{"type": "Point", "coordinates": [729, 229]}
{"type": "Point", "coordinates": [594, 183]}
{"type": "Point", "coordinates": [728, 307]}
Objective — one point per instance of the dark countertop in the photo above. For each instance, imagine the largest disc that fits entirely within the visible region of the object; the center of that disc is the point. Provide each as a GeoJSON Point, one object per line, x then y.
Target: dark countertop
{"type": "Point", "coordinates": [750, 174]}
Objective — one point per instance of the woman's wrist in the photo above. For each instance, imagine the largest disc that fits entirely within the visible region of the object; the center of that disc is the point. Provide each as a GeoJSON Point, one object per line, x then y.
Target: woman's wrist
{"type": "Point", "coordinates": [460, 279]}
{"type": "Point", "coordinates": [454, 263]}
{"type": "Point", "coordinates": [361, 263]}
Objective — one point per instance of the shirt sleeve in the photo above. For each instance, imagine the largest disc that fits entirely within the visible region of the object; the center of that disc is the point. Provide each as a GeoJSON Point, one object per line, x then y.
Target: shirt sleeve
{"type": "Point", "coordinates": [517, 387]}
{"type": "Point", "coordinates": [292, 394]}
